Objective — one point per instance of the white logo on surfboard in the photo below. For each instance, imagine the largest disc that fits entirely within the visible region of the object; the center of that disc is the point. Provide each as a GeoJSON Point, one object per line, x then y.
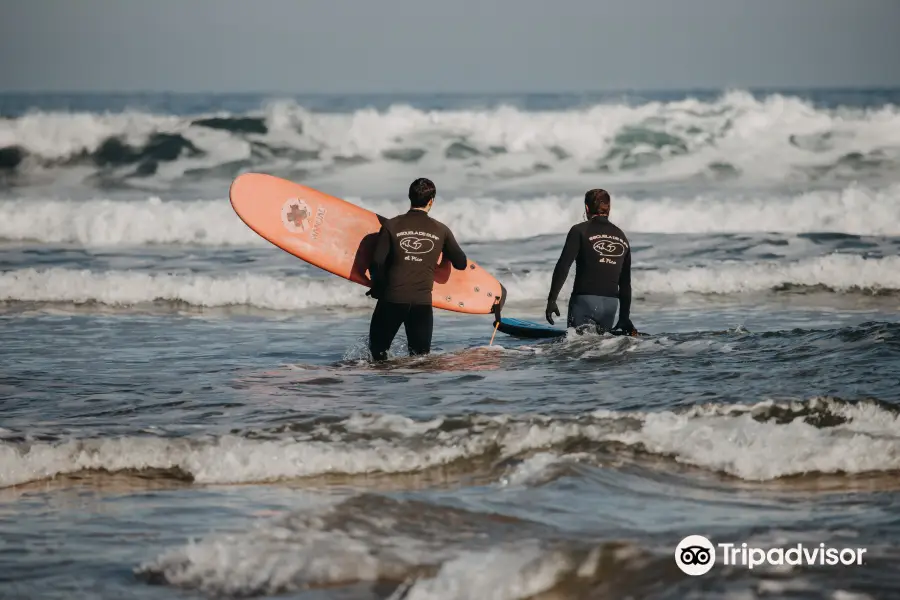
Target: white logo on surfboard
{"type": "Point", "coordinates": [608, 248]}
{"type": "Point", "coordinates": [295, 215]}
{"type": "Point", "coordinates": [416, 245]}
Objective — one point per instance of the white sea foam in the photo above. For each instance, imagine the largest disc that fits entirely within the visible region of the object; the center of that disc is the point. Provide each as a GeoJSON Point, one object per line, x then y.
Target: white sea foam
{"type": "Point", "coordinates": [128, 288]}
{"type": "Point", "coordinates": [718, 438]}
{"type": "Point", "coordinates": [839, 272]}
{"type": "Point", "coordinates": [854, 210]}
{"type": "Point", "coordinates": [730, 440]}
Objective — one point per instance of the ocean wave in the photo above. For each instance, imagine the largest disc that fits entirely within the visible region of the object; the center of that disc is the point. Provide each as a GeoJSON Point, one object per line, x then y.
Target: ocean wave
{"type": "Point", "coordinates": [855, 210]}
{"type": "Point", "coordinates": [775, 137]}
{"type": "Point", "coordinates": [131, 288]}
{"type": "Point", "coordinates": [760, 442]}
{"type": "Point", "coordinates": [434, 556]}
{"type": "Point", "coordinates": [837, 273]}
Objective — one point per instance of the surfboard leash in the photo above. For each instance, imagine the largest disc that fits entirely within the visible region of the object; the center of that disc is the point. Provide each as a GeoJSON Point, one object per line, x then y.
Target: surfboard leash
{"type": "Point", "coordinates": [497, 308]}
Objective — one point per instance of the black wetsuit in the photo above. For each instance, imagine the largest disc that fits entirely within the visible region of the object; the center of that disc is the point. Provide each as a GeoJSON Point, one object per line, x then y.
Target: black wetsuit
{"type": "Point", "coordinates": [402, 273]}
{"type": "Point", "coordinates": [603, 269]}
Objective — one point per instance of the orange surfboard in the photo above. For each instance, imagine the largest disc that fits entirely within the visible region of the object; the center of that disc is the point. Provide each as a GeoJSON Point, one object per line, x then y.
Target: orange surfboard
{"type": "Point", "coordinates": [339, 237]}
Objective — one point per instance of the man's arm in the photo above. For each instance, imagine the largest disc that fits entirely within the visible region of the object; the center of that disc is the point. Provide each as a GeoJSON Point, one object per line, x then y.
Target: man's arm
{"type": "Point", "coordinates": [563, 264]}
{"type": "Point", "coordinates": [625, 289]}
{"type": "Point", "coordinates": [453, 252]}
{"type": "Point", "coordinates": [378, 264]}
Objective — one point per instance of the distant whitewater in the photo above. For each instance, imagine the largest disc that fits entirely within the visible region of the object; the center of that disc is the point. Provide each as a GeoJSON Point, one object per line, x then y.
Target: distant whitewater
{"type": "Point", "coordinates": [840, 274]}
{"type": "Point", "coordinates": [734, 136]}
{"type": "Point", "coordinates": [854, 210]}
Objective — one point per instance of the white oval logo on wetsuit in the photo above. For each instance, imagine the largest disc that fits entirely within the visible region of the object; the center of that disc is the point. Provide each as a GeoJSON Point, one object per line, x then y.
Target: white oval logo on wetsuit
{"type": "Point", "coordinates": [608, 248]}
{"type": "Point", "coordinates": [416, 245]}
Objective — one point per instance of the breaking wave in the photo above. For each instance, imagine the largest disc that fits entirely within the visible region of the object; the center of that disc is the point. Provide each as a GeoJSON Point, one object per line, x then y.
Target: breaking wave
{"type": "Point", "coordinates": [854, 210]}
{"type": "Point", "coordinates": [435, 556]}
{"type": "Point", "coordinates": [777, 137]}
{"type": "Point", "coordinates": [758, 442]}
{"type": "Point", "coordinates": [837, 273]}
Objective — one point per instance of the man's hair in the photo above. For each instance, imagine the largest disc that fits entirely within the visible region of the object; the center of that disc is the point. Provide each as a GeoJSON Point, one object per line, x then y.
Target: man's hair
{"type": "Point", "coordinates": [421, 191]}
{"type": "Point", "coordinates": [597, 202]}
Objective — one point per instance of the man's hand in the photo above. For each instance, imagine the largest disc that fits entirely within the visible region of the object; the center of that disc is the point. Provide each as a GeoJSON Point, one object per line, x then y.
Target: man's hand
{"type": "Point", "coordinates": [551, 310]}
{"type": "Point", "coordinates": [374, 292]}
{"type": "Point", "coordinates": [625, 325]}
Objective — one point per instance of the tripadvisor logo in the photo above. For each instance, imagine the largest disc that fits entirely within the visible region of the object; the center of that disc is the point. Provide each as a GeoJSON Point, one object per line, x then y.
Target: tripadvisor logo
{"type": "Point", "coordinates": [696, 555]}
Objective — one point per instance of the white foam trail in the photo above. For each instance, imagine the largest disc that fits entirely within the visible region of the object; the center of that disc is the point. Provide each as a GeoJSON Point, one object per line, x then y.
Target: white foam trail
{"type": "Point", "coordinates": [728, 439]}
{"type": "Point", "coordinates": [230, 459]}
{"type": "Point", "coordinates": [128, 288]}
{"type": "Point", "coordinates": [718, 438]}
{"type": "Point", "coordinates": [854, 210]}
{"type": "Point", "coordinates": [125, 223]}
{"type": "Point", "coordinates": [839, 272]}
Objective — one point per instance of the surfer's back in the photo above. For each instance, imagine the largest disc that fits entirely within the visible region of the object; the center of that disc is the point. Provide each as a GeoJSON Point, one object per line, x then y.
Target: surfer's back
{"type": "Point", "coordinates": [414, 241]}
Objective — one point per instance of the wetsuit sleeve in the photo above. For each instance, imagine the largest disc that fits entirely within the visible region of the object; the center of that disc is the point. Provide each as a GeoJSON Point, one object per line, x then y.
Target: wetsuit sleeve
{"type": "Point", "coordinates": [566, 258]}
{"type": "Point", "coordinates": [625, 288]}
{"type": "Point", "coordinates": [378, 264]}
{"type": "Point", "coordinates": [453, 252]}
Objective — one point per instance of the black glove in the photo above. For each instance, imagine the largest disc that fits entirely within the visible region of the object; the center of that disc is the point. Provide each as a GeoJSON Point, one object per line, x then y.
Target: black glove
{"type": "Point", "coordinates": [625, 324]}
{"type": "Point", "coordinates": [551, 309]}
{"type": "Point", "coordinates": [374, 292]}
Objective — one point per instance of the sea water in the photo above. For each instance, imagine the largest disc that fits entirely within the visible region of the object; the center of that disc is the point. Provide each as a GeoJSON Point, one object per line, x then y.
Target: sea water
{"type": "Point", "coordinates": [188, 411]}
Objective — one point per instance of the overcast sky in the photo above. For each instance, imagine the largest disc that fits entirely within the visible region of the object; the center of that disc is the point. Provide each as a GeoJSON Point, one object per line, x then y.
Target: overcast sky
{"type": "Point", "coordinates": [445, 46]}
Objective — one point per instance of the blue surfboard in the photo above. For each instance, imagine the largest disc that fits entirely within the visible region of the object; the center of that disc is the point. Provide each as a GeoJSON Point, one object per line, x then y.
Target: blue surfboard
{"type": "Point", "coordinates": [527, 329]}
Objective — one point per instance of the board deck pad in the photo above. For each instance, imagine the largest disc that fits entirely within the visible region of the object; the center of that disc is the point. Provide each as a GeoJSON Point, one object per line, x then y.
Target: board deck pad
{"type": "Point", "coordinates": [339, 237]}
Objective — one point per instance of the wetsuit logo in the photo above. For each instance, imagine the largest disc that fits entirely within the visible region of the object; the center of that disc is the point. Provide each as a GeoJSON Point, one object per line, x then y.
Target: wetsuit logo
{"type": "Point", "coordinates": [415, 245]}
{"type": "Point", "coordinates": [608, 248]}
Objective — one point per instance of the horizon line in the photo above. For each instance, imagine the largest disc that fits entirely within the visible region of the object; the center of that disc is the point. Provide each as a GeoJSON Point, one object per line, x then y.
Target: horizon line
{"type": "Point", "coordinates": [461, 92]}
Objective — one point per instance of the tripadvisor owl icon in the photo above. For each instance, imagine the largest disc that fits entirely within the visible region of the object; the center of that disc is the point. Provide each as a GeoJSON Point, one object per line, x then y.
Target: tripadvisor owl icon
{"type": "Point", "coordinates": [695, 555]}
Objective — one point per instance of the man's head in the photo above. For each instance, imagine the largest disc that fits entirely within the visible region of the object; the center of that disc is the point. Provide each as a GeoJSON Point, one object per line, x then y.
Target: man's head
{"type": "Point", "coordinates": [596, 203]}
{"type": "Point", "coordinates": [421, 193]}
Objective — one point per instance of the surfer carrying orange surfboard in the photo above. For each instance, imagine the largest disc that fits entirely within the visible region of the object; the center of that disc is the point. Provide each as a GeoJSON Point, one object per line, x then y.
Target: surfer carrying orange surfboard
{"type": "Point", "coordinates": [341, 238]}
{"type": "Point", "coordinates": [402, 270]}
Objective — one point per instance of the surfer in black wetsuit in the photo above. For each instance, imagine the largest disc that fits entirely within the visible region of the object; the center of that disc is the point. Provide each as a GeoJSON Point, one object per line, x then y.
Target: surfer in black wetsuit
{"type": "Point", "coordinates": [402, 273]}
{"type": "Point", "coordinates": [602, 270]}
